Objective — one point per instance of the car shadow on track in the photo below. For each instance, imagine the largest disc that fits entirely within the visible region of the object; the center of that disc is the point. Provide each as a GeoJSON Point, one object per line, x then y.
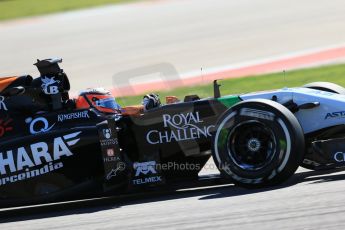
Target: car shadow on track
{"type": "Point", "coordinates": [205, 193]}
{"type": "Point", "coordinates": [302, 177]}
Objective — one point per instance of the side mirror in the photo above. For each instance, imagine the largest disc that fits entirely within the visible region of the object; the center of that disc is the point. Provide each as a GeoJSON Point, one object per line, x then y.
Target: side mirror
{"type": "Point", "coordinates": [216, 90]}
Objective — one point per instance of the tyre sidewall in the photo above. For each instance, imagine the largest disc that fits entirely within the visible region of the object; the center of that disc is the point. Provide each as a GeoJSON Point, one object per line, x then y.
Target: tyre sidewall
{"type": "Point", "coordinates": [287, 138]}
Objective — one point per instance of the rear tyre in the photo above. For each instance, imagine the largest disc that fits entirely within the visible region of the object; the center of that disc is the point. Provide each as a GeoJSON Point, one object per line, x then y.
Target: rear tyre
{"type": "Point", "coordinates": [258, 143]}
{"type": "Point", "coordinates": [326, 86]}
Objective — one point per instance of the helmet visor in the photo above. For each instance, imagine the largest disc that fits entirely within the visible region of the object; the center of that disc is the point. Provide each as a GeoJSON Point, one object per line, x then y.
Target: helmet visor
{"type": "Point", "coordinates": [108, 103]}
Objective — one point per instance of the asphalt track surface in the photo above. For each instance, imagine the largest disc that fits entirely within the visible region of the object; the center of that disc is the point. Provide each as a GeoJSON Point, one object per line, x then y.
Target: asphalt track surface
{"type": "Point", "coordinates": [188, 34]}
{"type": "Point", "coordinates": [310, 200]}
{"type": "Point", "coordinates": [99, 43]}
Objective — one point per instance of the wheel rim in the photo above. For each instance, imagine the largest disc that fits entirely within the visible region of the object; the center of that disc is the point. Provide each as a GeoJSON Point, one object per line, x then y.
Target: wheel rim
{"type": "Point", "coordinates": [251, 145]}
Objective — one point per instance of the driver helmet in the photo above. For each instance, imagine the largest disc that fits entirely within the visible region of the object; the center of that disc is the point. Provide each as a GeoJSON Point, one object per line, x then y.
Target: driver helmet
{"type": "Point", "coordinates": [98, 98]}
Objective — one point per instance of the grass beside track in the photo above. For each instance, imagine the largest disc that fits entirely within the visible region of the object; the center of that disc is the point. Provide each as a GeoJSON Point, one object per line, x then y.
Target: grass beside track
{"type": "Point", "coordinates": [332, 73]}
{"type": "Point", "coordinates": [11, 9]}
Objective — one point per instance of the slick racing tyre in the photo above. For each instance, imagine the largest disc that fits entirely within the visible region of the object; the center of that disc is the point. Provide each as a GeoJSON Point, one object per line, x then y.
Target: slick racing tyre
{"type": "Point", "coordinates": [326, 86]}
{"type": "Point", "coordinates": [258, 143]}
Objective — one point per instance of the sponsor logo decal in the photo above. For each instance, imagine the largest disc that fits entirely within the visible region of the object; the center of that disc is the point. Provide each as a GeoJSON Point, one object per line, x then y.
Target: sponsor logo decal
{"type": "Point", "coordinates": [48, 85]}
{"type": "Point", "coordinates": [110, 152]}
{"type": "Point", "coordinates": [146, 168]}
{"type": "Point", "coordinates": [111, 159]}
{"type": "Point", "coordinates": [107, 133]}
{"type": "Point", "coordinates": [2, 104]}
{"type": "Point", "coordinates": [38, 125]}
{"type": "Point", "coordinates": [340, 114]}
{"type": "Point", "coordinates": [111, 156]}
{"type": "Point", "coordinates": [73, 116]}
{"type": "Point", "coordinates": [257, 113]}
{"type": "Point", "coordinates": [339, 157]}
{"type": "Point", "coordinates": [113, 173]}
{"type": "Point", "coordinates": [108, 141]}
{"type": "Point", "coordinates": [5, 126]}
{"type": "Point", "coordinates": [36, 159]}
{"type": "Point", "coordinates": [181, 127]}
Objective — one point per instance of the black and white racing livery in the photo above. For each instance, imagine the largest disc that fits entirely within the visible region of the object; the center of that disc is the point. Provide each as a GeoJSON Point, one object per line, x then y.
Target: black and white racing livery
{"type": "Point", "coordinates": [264, 138]}
{"type": "Point", "coordinates": [52, 151]}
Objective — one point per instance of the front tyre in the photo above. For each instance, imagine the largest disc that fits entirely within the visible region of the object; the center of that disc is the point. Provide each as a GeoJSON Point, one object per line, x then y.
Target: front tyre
{"type": "Point", "coordinates": [258, 143]}
{"type": "Point", "coordinates": [326, 86]}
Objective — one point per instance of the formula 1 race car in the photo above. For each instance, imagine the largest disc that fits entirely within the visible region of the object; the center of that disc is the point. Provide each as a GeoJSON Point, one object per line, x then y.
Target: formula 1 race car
{"type": "Point", "coordinates": [57, 148]}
